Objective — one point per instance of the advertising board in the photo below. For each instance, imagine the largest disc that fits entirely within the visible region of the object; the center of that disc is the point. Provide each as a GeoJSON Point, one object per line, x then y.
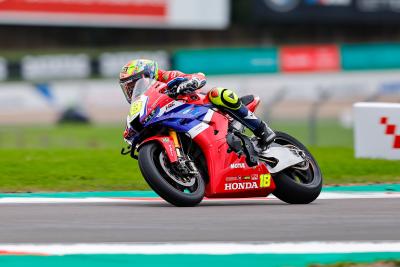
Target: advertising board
{"type": "Point", "coordinates": [327, 11]}
{"type": "Point", "coordinates": [309, 58]}
{"type": "Point", "coordinates": [118, 13]}
{"type": "Point", "coordinates": [227, 60]}
{"type": "Point", "coordinates": [377, 130]}
{"type": "Point", "coordinates": [55, 67]}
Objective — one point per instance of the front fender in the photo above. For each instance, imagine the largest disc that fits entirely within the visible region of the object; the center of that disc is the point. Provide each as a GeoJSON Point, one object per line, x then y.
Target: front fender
{"type": "Point", "coordinates": [167, 143]}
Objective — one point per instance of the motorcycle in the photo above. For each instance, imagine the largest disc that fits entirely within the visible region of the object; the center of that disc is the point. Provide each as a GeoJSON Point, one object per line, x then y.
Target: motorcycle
{"type": "Point", "coordinates": [188, 149]}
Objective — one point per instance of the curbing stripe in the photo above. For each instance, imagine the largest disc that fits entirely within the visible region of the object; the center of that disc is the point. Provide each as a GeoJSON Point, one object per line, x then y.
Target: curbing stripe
{"type": "Point", "coordinates": [205, 248]}
{"type": "Point", "coordinates": [149, 194]}
{"type": "Point", "coordinates": [323, 196]}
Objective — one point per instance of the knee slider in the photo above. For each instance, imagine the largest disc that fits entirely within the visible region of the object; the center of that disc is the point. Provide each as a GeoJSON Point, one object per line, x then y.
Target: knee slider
{"type": "Point", "coordinates": [225, 98]}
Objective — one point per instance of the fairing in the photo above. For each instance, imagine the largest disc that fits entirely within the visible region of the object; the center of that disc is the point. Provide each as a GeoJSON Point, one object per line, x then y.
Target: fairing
{"type": "Point", "coordinates": [229, 175]}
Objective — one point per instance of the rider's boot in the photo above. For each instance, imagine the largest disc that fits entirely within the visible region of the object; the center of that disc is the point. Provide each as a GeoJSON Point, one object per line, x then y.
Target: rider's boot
{"type": "Point", "coordinates": [260, 129]}
{"type": "Point", "coordinates": [265, 135]}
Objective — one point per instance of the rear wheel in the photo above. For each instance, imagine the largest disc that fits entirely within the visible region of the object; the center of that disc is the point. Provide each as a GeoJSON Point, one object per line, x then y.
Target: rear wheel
{"type": "Point", "coordinates": [299, 184]}
{"type": "Point", "coordinates": [164, 179]}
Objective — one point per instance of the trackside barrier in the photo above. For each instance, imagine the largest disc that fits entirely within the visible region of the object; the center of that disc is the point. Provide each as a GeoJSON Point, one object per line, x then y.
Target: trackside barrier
{"type": "Point", "coordinates": [377, 130]}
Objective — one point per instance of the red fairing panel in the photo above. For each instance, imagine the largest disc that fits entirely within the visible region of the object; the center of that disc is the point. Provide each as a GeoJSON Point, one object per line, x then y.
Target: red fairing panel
{"type": "Point", "coordinates": [229, 175]}
{"type": "Point", "coordinates": [168, 144]}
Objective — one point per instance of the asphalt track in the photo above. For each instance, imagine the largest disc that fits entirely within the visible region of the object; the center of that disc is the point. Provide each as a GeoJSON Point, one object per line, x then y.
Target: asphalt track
{"type": "Point", "coordinates": [239, 221]}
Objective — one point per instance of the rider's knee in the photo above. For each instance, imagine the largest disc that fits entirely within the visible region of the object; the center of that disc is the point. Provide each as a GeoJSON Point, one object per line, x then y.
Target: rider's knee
{"type": "Point", "coordinates": [223, 97]}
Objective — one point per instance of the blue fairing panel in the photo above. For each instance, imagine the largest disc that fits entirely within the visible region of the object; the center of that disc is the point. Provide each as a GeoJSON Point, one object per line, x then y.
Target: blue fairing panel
{"type": "Point", "coordinates": [181, 119]}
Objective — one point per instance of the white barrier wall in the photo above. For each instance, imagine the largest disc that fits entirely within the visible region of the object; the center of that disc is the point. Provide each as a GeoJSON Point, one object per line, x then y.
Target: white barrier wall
{"type": "Point", "coordinates": [377, 130]}
{"type": "Point", "coordinates": [103, 101]}
{"type": "Point", "coordinates": [3, 69]}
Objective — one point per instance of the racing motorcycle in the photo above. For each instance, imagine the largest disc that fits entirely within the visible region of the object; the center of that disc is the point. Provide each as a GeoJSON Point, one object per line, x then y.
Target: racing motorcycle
{"type": "Point", "coordinates": [189, 149]}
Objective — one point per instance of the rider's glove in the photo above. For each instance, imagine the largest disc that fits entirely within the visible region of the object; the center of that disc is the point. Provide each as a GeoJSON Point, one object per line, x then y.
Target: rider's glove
{"type": "Point", "coordinates": [188, 86]}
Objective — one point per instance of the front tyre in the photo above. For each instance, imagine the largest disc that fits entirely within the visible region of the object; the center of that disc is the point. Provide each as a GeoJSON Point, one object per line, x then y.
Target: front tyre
{"type": "Point", "coordinates": [297, 184]}
{"type": "Point", "coordinates": [155, 169]}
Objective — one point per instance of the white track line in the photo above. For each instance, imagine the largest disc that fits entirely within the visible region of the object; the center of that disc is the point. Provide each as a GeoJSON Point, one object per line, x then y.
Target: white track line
{"type": "Point", "coordinates": [204, 248]}
{"type": "Point", "coordinates": [324, 195]}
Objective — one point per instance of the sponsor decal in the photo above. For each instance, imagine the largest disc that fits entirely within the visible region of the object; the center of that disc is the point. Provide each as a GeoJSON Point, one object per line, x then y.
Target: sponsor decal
{"type": "Point", "coordinates": [241, 186]}
{"type": "Point", "coordinates": [150, 116]}
{"type": "Point", "coordinates": [246, 178]}
{"type": "Point", "coordinates": [231, 179]}
{"type": "Point", "coordinates": [238, 166]}
{"type": "Point", "coordinates": [171, 149]}
{"type": "Point", "coordinates": [254, 177]}
{"type": "Point", "coordinates": [165, 139]}
{"type": "Point", "coordinates": [170, 106]}
{"type": "Point", "coordinates": [307, 58]}
{"type": "Point", "coordinates": [135, 107]}
{"type": "Point", "coordinates": [390, 129]}
{"type": "Point", "coordinates": [282, 5]}
{"type": "Point", "coordinates": [265, 180]}
{"type": "Point", "coordinates": [329, 2]}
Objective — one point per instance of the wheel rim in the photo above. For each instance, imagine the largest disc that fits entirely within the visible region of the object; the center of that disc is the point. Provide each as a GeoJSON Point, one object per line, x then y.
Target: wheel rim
{"type": "Point", "coordinates": [168, 175]}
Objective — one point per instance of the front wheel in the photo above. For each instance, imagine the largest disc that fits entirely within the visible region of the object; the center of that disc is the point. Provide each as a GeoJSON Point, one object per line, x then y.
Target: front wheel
{"type": "Point", "coordinates": [165, 181]}
{"type": "Point", "coordinates": [297, 184]}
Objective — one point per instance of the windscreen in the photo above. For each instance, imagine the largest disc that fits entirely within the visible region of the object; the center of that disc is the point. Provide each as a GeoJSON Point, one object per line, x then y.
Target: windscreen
{"type": "Point", "coordinates": [141, 86]}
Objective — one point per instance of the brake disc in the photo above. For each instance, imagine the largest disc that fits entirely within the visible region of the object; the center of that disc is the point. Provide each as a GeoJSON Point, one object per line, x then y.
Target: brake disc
{"type": "Point", "coordinates": [179, 180]}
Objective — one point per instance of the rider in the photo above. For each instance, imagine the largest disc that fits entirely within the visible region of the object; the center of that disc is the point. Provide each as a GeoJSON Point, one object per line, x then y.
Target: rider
{"type": "Point", "coordinates": [182, 84]}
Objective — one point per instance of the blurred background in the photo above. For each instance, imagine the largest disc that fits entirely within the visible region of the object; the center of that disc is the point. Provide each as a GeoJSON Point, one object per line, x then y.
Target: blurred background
{"type": "Point", "coordinates": [309, 60]}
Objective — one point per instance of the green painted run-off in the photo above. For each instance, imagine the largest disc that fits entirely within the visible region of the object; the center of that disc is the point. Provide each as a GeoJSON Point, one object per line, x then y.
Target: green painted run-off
{"type": "Point", "coordinates": [270, 260]}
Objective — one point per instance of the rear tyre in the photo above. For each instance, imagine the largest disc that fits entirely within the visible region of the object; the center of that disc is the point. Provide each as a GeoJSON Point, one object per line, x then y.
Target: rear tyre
{"type": "Point", "coordinates": [295, 186]}
{"type": "Point", "coordinates": [153, 166]}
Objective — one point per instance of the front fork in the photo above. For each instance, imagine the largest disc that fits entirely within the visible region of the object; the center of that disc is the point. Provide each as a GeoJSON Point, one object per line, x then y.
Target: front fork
{"type": "Point", "coordinates": [177, 144]}
{"type": "Point", "coordinates": [183, 160]}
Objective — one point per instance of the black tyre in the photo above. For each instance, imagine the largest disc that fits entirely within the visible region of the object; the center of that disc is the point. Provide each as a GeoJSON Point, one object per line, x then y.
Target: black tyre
{"type": "Point", "coordinates": [155, 170]}
{"type": "Point", "coordinates": [295, 185]}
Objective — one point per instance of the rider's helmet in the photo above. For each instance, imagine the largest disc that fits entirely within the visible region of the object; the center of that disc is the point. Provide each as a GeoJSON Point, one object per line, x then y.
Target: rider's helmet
{"type": "Point", "coordinates": [135, 70]}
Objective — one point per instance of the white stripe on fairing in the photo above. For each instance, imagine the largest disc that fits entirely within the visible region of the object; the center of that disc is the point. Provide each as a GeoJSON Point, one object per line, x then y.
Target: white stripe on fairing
{"type": "Point", "coordinates": [324, 195]}
{"type": "Point", "coordinates": [208, 116]}
{"type": "Point", "coordinates": [144, 99]}
{"type": "Point", "coordinates": [205, 248]}
{"type": "Point", "coordinates": [198, 129]}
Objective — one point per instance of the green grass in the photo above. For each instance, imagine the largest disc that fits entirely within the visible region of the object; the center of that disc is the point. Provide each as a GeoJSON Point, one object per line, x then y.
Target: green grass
{"type": "Point", "coordinates": [327, 132]}
{"type": "Point", "coordinates": [87, 158]}
{"type": "Point", "coordinates": [68, 170]}
{"type": "Point", "coordinates": [339, 166]}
